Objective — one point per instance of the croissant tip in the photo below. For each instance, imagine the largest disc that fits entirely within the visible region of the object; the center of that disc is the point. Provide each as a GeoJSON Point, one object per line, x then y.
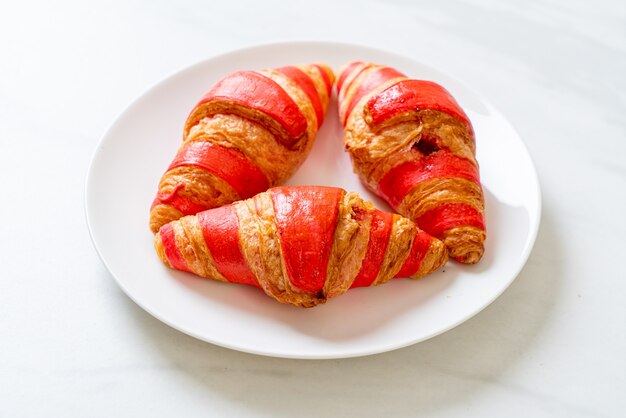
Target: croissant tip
{"type": "Point", "coordinates": [471, 257]}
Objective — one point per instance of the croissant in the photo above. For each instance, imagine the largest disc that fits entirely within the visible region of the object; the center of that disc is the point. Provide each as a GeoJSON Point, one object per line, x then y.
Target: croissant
{"type": "Point", "coordinates": [249, 132]}
{"type": "Point", "coordinates": [411, 143]}
{"type": "Point", "coordinates": [301, 245]}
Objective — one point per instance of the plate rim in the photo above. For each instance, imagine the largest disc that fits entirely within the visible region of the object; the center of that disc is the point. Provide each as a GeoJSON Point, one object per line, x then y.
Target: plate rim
{"type": "Point", "coordinates": [523, 259]}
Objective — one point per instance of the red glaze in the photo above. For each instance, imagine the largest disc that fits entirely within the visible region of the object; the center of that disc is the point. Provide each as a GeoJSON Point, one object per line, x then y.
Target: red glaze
{"type": "Point", "coordinates": [180, 203]}
{"type": "Point", "coordinates": [306, 217]}
{"type": "Point", "coordinates": [407, 95]}
{"type": "Point", "coordinates": [220, 228]}
{"type": "Point", "coordinates": [376, 248]}
{"type": "Point", "coordinates": [346, 85]}
{"type": "Point", "coordinates": [399, 181]}
{"type": "Point", "coordinates": [326, 78]}
{"type": "Point", "coordinates": [172, 252]}
{"type": "Point", "coordinates": [419, 249]}
{"type": "Point", "coordinates": [306, 84]}
{"type": "Point", "coordinates": [346, 73]}
{"type": "Point", "coordinates": [229, 164]}
{"type": "Point", "coordinates": [256, 91]}
{"type": "Point", "coordinates": [374, 79]}
{"type": "Point", "coordinates": [450, 215]}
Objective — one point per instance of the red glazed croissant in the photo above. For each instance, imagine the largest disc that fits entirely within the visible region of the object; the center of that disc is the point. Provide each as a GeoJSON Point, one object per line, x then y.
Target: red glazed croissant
{"type": "Point", "coordinates": [413, 145]}
{"type": "Point", "coordinates": [301, 245]}
{"type": "Point", "coordinates": [251, 131]}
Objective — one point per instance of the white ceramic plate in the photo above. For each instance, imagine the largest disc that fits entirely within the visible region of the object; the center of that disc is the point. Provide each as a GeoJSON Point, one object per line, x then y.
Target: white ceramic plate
{"type": "Point", "coordinates": [135, 151]}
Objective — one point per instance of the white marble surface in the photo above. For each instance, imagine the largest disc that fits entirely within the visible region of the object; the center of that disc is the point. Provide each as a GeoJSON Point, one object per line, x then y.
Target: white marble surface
{"type": "Point", "coordinates": [73, 345]}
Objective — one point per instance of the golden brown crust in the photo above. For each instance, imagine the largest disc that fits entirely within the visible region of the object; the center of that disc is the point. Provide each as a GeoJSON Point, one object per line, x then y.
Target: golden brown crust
{"type": "Point", "coordinates": [160, 250]}
{"type": "Point", "coordinates": [190, 242]}
{"type": "Point", "coordinates": [272, 266]}
{"type": "Point", "coordinates": [349, 245]}
{"type": "Point", "coordinates": [375, 153]}
{"type": "Point", "coordinates": [161, 215]}
{"type": "Point", "coordinates": [450, 132]}
{"type": "Point", "coordinates": [430, 194]}
{"type": "Point", "coordinates": [315, 74]}
{"type": "Point", "coordinates": [255, 142]}
{"type": "Point", "coordinates": [402, 234]}
{"type": "Point", "coordinates": [342, 96]}
{"type": "Point", "coordinates": [250, 236]}
{"type": "Point", "coordinates": [465, 243]}
{"type": "Point", "coordinates": [435, 258]}
{"type": "Point", "coordinates": [225, 107]}
{"type": "Point", "coordinates": [353, 83]}
{"type": "Point", "coordinates": [200, 187]}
